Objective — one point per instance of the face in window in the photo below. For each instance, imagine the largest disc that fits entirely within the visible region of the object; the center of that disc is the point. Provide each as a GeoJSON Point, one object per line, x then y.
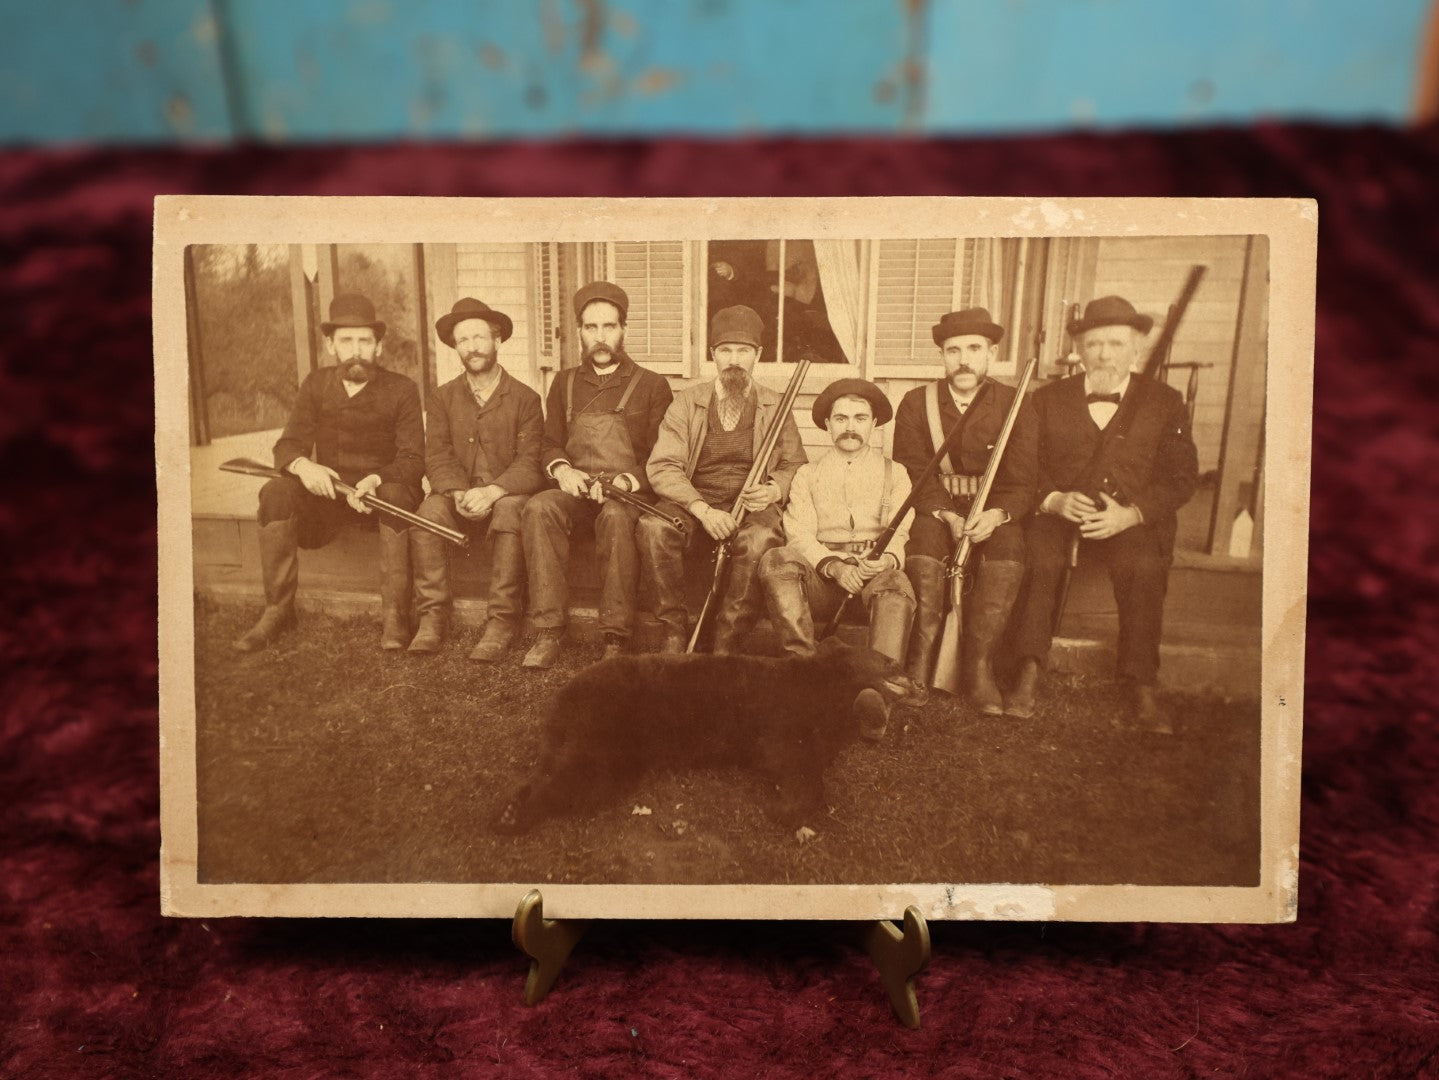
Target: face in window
{"type": "Point", "coordinates": [734, 361]}
{"type": "Point", "coordinates": [1109, 354]}
{"type": "Point", "coordinates": [966, 360]}
{"type": "Point", "coordinates": [602, 333]}
{"type": "Point", "coordinates": [356, 350]}
{"type": "Point", "coordinates": [850, 424]}
{"type": "Point", "coordinates": [477, 344]}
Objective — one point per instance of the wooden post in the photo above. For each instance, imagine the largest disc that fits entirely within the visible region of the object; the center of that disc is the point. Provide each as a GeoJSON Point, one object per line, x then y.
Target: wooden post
{"type": "Point", "coordinates": [199, 409]}
{"type": "Point", "coordinates": [300, 293]}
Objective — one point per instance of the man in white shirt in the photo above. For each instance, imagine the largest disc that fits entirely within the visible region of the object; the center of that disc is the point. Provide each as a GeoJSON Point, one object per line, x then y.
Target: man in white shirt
{"type": "Point", "coordinates": [838, 505]}
{"type": "Point", "coordinates": [1116, 462]}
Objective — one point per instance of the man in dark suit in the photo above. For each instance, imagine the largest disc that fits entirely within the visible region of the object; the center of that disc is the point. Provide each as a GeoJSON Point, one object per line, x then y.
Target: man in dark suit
{"type": "Point", "coordinates": [601, 419]}
{"type": "Point", "coordinates": [965, 396]}
{"type": "Point", "coordinates": [482, 457]}
{"type": "Point", "coordinates": [356, 422]}
{"type": "Point", "coordinates": [1116, 462]}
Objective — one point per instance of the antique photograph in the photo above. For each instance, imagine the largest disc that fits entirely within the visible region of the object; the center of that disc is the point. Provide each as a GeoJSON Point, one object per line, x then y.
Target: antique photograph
{"type": "Point", "coordinates": [780, 558]}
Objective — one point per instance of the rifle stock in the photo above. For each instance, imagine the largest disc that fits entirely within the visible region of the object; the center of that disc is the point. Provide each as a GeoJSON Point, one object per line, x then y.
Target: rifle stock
{"type": "Point", "coordinates": [757, 470]}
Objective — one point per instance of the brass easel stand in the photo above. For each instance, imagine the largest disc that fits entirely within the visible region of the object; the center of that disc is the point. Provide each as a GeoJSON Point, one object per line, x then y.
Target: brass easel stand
{"type": "Point", "coordinates": [899, 955]}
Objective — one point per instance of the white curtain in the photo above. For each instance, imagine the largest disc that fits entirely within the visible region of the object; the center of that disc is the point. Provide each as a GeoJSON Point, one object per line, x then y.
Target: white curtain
{"type": "Point", "coordinates": [986, 285]}
{"type": "Point", "coordinates": [838, 262]}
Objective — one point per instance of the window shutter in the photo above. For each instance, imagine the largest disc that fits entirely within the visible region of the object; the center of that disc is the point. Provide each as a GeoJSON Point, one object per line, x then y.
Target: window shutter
{"type": "Point", "coordinates": [654, 274]}
{"type": "Point", "coordinates": [915, 286]}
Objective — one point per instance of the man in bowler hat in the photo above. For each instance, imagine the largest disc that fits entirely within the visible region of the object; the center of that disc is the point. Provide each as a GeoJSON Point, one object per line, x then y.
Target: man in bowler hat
{"type": "Point", "coordinates": [705, 450]}
{"type": "Point", "coordinates": [838, 505]}
{"type": "Point", "coordinates": [965, 397]}
{"type": "Point", "coordinates": [601, 419]}
{"type": "Point", "coordinates": [356, 422]}
{"type": "Point", "coordinates": [482, 457]}
{"type": "Point", "coordinates": [1116, 462]}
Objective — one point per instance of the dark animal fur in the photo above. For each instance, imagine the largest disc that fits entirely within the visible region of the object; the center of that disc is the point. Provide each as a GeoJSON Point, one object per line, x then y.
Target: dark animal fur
{"type": "Point", "coordinates": [786, 718]}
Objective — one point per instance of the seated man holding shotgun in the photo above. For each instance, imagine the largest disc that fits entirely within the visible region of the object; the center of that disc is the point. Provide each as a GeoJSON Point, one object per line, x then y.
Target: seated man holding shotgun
{"type": "Point", "coordinates": [356, 423]}
{"type": "Point", "coordinates": [704, 469]}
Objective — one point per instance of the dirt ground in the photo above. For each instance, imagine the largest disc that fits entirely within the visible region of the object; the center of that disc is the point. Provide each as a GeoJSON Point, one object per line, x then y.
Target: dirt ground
{"type": "Point", "coordinates": [323, 759]}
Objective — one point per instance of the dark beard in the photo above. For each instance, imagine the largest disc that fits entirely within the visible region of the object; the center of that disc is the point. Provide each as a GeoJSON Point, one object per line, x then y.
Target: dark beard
{"type": "Point", "coordinates": [618, 353]}
{"type": "Point", "coordinates": [356, 371]}
{"type": "Point", "coordinates": [734, 380]}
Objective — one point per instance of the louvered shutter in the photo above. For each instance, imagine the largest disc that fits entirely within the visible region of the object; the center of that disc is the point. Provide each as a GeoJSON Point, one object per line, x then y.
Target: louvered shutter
{"type": "Point", "coordinates": [655, 275]}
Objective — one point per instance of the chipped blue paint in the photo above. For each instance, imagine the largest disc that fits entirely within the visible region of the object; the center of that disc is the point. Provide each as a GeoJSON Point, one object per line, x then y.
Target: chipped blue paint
{"type": "Point", "coordinates": [1027, 64]}
{"type": "Point", "coordinates": [110, 70]}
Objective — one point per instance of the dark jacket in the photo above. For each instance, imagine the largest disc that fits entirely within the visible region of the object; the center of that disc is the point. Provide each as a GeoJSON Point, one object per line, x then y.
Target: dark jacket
{"type": "Point", "coordinates": [1150, 462]}
{"type": "Point", "coordinates": [379, 430]}
{"type": "Point", "coordinates": [467, 446]}
{"type": "Point", "coordinates": [1014, 485]}
{"type": "Point", "coordinates": [682, 437]}
{"type": "Point", "coordinates": [643, 412]}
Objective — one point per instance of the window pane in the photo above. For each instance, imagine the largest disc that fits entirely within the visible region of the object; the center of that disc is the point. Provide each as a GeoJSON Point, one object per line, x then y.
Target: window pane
{"type": "Point", "coordinates": [385, 273]}
{"type": "Point", "coordinates": [748, 272]}
{"type": "Point", "coordinates": [247, 335]}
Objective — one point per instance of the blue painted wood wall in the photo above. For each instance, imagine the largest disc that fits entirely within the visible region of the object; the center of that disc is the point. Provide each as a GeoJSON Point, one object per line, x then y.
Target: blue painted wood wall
{"type": "Point", "coordinates": [276, 70]}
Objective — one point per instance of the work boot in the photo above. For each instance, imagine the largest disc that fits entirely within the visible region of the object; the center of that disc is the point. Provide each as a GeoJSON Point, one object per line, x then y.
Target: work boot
{"type": "Point", "coordinates": [1148, 715]}
{"type": "Point", "coordinates": [432, 590]}
{"type": "Point", "coordinates": [614, 647]}
{"type": "Point", "coordinates": [1020, 701]}
{"type": "Point", "coordinates": [931, 592]}
{"type": "Point", "coordinates": [789, 613]}
{"type": "Point", "coordinates": [280, 571]}
{"type": "Point", "coordinates": [493, 641]}
{"type": "Point", "coordinates": [986, 613]}
{"type": "Point", "coordinates": [544, 652]}
{"type": "Point", "coordinates": [394, 587]}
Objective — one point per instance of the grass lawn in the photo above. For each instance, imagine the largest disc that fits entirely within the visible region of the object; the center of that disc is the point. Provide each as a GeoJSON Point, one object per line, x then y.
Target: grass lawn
{"type": "Point", "coordinates": [323, 759]}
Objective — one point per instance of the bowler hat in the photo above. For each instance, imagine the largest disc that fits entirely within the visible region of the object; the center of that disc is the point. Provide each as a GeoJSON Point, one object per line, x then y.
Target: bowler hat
{"type": "Point", "coordinates": [1110, 311]}
{"type": "Point", "coordinates": [973, 320]}
{"type": "Point", "coordinates": [352, 309]}
{"type": "Point", "coordinates": [736, 324]}
{"type": "Point", "coordinates": [602, 290]}
{"type": "Point", "coordinates": [860, 388]}
{"type": "Point", "coordinates": [467, 307]}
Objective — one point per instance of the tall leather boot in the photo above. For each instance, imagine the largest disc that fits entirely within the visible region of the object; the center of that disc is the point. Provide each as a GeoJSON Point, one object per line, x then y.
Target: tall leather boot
{"type": "Point", "coordinates": [789, 613]}
{"type": "Point", "coordinates": [280, 570]}
{"type": "Point", "coordinates": [986, 613]}
{"type": "Point", "coordinates": [931, 590]}
{"type": "Point", "coordinates": [507, 576]}
{"type": "Point", "coordinates": [394, 587]}
{"type": "Point", "coordinates": [890, 616]}
{"type": "Point", "coordinates": [432, 590]}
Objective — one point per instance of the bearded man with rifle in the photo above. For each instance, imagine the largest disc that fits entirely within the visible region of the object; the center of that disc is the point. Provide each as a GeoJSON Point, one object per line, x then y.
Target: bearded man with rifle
{"type": "Point", "coordinates": [705, 467]}
{"type": "Point", "coordinates": [966, 398]}
{"type": "Point", "coordinates": [1116, 462]}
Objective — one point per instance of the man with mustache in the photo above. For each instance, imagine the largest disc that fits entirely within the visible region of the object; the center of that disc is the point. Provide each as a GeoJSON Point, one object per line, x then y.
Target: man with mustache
{"type": "Point", "coordinates": [482, 457]}
{"type": "Point", "coordinates": [356, 422]}
{"type": "Point", "coordinates": [1116, 462]}
{"type": "Point", "coordinates": [705, 450]}
{"type": "Point", "coordinates": [838, 505]}
{"type": "Point", "coordinates": [601, 419]}
{"type": "Point", "coordinates": [965, 397]}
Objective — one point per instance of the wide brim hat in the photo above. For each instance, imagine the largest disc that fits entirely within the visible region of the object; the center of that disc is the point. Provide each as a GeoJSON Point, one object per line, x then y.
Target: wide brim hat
{"type": "Point", "coordinates": [352, 309]}
{"type": "Point", "coordinates": [607, 291]}
{"type": "Point", "coordinates": [1110, 311]}
{"type": "Point", "coordinates": [467, 307]}
{"type": "Point", "coordinates": [738, 324]}
{"type": "Point", "coordinates": [860, 388]}
{"type": "Point", "coordinates": [973, 320]}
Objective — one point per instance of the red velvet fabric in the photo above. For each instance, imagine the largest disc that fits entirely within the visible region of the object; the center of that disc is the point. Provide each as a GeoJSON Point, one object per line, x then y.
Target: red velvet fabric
{"type": "Point", "coordinates": [94, 982]}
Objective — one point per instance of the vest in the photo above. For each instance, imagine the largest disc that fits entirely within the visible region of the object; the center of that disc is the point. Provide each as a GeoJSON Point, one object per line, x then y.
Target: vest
{"type": "Point", "coordinates": [726, 456]}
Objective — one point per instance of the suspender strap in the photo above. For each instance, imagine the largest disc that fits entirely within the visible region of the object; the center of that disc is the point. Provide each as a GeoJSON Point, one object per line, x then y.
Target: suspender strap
{"type": "Point", "coordinates": [630, 389]}
{"type": "Point", "coordinates": [887, 495]}
{"type": "Point", "coordinates": [936, 426]}
{"type": "Point", "coordinates": [570, 394]}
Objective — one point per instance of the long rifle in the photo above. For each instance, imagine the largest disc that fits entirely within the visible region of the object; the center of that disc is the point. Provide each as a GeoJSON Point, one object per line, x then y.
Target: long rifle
{"type": "Point", "coordinates": [250, 467]}
{"type": "Point", "coordinates": [757, 471]}
{"type": "Point", "coordinates": [881, 541]}
{"type": "Point", "coordinates": [946, 668]}
{"type": "Point", "coordinates": [1118, 428]}
{"type": "Point", "coordinates": [629, 498]}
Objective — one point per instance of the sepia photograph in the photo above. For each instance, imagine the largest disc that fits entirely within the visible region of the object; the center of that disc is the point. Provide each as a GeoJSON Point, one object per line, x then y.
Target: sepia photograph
{"type": "Point", "coordinates": [778, 558]}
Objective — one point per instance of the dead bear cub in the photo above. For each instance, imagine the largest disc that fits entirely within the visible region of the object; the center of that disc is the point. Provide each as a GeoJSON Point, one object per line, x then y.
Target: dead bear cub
{"type": "Point", "coordinates": [786, 718]}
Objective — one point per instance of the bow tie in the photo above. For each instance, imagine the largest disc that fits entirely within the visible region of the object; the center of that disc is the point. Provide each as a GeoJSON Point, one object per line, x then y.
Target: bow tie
{"type": "Point", "coordinates": [1112, 399]}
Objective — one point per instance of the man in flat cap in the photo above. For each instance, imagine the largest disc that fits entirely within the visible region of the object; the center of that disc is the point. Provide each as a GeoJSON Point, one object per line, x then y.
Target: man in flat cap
{"type": "Point", "coordinates": [601, 419]}
{"type": "Point", "coordinates": [965, 397]}
{"type": "Point", "coordinates": [705, 451]}
{"type": "Point", "coordinates": [482, 457]}
{"type": "Point", "coordinates": [356, 422]}
{"type": "Point", "coordinates": [838, 505]}
{"type": "Point", "coordinates": [1116, 462]}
